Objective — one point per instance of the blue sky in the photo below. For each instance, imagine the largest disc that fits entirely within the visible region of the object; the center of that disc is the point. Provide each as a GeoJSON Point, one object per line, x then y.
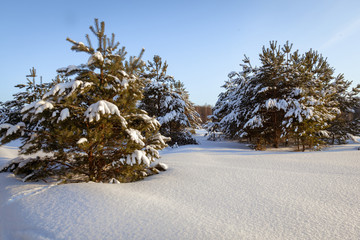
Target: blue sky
{"type": "Point", "coordinates": [202, 41]}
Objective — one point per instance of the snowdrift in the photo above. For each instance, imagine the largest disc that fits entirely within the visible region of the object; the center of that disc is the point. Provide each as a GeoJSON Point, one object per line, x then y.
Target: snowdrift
{"type": "Point", "coordinates": [215, 190]}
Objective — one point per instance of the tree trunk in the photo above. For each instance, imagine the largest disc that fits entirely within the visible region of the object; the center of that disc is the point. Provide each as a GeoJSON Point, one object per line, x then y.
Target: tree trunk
{"type": "Point", "coordinates": [298, 143]}
{"type": "Point", "coordinates": [91, 167]}
{"type": "Point", "coordinates": [276, 138]}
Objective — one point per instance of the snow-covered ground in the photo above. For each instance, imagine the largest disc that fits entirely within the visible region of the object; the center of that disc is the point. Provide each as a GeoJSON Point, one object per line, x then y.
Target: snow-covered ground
{"type": "Point", "coordinates": [215, 190]}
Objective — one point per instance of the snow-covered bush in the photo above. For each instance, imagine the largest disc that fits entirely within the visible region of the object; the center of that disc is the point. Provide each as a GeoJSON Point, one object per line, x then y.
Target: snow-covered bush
{"type": "Point", "coordinates": [90, 125]}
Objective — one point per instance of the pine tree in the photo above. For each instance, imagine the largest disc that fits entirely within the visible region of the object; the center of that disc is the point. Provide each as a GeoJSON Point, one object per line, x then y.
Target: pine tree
{"type": "Point", "coordinates": [230, 110]}
{"type": "Point", "coordinates": [91, 125]}
{"type": "Point", "coordinates": [190, 111]}
{"type": "Point", "coordinates": [345, 124]}
{"type": "Point", "coordinates": [272, 83]}
{"type": "Point", "coordinates": [311, 108]}
{"type": "Point", "coordinates": [290, 97]}
{"type": "Point", "coordinates": [10, 110]}
{"type": "Point", "coordinates": [168, 101]}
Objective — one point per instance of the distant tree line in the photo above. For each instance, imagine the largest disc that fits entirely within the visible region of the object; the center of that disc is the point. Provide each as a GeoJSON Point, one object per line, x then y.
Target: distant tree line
{"type": "Point", "coordinates": [204, 111]}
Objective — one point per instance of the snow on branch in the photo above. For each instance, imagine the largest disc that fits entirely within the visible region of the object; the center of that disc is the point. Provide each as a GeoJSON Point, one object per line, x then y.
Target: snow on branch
{"type": "Point", "coordinates": [11, 129]}
{"type": "Point", "coordinates": [300, 111]}
{"type": "Point", "coordinates": [324, 133]}
{"type": "Point", "coordinates": [254, 122]}
{"type": "Point", "coordinates": [64, 114]}
{"type": "Point", "coordinates": [138, 157]}
{"type": "Point", "coordinates": [135, 136]}
{"type": "Point", "coordinates": [38, 106]}
{"type": "Point", "coordinates": [279, 104]}
{"type": "Point", "coordinates": [123, 73]}
{"type": "Point", "coordinates": [96, 57]}
{"type": "Point", "coordinates": [170, 116]}
{"type": "Point", "coordinates": [69, 69]}
{"type": "Point", "coordinates": [151, 123]}
{"type": "Point", "coordinates": [82, 140]}
{"type": "Point", "coordinates": [78, 46]}
{"type": "Point", "coordinates": [61, 88]}
{"type": "Point", "coordinates": [103, 107]}
{"type": "Point", "coordinates": [352, 138]}
{"type": "Point", "coordinates": [124, 82]}
{"type": "Point", "coordinates": [160, 139]}
{"type": "Point", "coordinates": [296, 92]}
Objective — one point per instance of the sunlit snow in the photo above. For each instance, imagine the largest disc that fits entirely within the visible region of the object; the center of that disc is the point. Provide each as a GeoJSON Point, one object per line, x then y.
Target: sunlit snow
{"type": "Point", "coordinates": [215, 190]}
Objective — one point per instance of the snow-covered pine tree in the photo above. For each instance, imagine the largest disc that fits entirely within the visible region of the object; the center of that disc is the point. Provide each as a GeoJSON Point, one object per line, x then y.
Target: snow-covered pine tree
{"type": "Point", "coordinates": [271, 86]}
{"type": "Point", "coordinates": [311, 105]}
{"type": "Point", "coordinates": [91, 126]}
{"type": "Point", "coordinates": [345, 124]}
{"type": "Point", "coordinates": [295, 96]}
{"type": "Point", "coordinates": [168, 101]}
{"type": "Point", "coordinates": [230, 111]}
{"type": "Point", "coordinates": [190, 111]}
{"type": "Point", "coordinates": [254, 101]}
{"type": "Point", "coordinates": [290, 97]}
{"type": "Point", "coordinates": [227, 112]}
{"type": "Point", "coordinates": [10, 110]}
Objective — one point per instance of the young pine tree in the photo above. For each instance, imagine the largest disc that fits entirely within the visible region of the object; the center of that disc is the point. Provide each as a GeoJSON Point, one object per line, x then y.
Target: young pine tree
{"type": "Point", "coordinates": [91, 125]}
{"type": "Point", "coordinates": [311, 105]}
{"type": "Point", "coordinates": [11, 110]}
{"type": "Point", "coordinates": [345, 124]}
{"type": "Point", "coordinates": [167, 100]}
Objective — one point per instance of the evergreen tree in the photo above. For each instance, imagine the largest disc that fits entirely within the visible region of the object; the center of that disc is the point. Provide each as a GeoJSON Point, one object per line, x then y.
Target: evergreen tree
{"type": "Point", "coordinates": [290, 97]}
{"type": "Point", "coordinates": [168, 101]}
{"type": "Point", "coordinates": [345, 124]}
{"type": "Point", "coordinates": [272, 84]}
{"type": "Point", "coordinates": [190, 111]}
{"type": "Point", "coordinates": [91, 125]}
{"type": "Point", "coordinates": [311, 106]}
{"type": "Point", "coordinates": [229, 111]}
{"type": "Point", "coordinates": [10, 110]}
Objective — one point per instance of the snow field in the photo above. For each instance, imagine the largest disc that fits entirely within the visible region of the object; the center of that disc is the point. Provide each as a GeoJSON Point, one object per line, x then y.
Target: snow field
{"type": "Point", "coordinates": [215, 190]}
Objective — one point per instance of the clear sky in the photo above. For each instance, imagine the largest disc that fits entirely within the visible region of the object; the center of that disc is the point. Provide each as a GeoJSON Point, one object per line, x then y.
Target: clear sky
{"type": "Point", "coordinates": [202, 41]}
